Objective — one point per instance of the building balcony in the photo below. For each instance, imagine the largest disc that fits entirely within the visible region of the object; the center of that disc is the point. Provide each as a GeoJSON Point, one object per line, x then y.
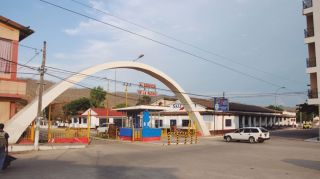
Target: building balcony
{"type": "Point", "coordinates": [311, 62]}
{"type": "Point", "coordinates": [309, 32]}
{"type": "Point", "coordinates": [313, 93]}
{"type": "Point", "coordinates": [12, 89]}
{"type": "Point", "coordinates": [306, 4]}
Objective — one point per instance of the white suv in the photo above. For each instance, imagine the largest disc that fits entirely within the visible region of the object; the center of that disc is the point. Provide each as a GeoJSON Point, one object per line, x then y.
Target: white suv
{"type": "Point", "coordinates": [103, 128]}
{"type": "Point", "coordinates": [251, 134]}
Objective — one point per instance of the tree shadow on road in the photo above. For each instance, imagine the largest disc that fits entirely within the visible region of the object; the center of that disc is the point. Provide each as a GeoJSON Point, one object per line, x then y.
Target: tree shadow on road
{"type": "Point", "coordinates": [47, 169]}
{"type": "Point", "coordinates": [311, 164]}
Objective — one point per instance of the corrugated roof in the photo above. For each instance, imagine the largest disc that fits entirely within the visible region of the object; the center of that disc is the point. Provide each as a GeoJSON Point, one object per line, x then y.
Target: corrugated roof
{"type": "Point", "coordinates": [24, 31]}
{"type": "Point", "coordinates": [234, 106]}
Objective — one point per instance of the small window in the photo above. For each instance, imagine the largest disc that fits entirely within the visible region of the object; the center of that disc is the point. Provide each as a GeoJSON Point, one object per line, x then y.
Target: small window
{"type": "Point", "coordinates": [158, 123]}
{"type": "Point", "coordinates": [240, 130]}
{"type": "Point", "coordinates": [75, 120]}
{"type": "Point", "coordinates": [263, 129]}
{"type": "Point", "coordinates": [185, 122]}
{"type": "Point", "coordinates": [254, 130]}
{"type": "Point", "coordinates": [246, 130]}
{"type": "Point", "coordinates": [84, 120]}
{"type": "Point", "coordinates": [173, 122]}
{"type": "Point", "coordinates": [228, 123]}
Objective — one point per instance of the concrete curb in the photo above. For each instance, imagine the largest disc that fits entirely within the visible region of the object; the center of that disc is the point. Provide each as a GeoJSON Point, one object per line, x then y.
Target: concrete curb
{"type": "Point", "coordinates": [23, 148]}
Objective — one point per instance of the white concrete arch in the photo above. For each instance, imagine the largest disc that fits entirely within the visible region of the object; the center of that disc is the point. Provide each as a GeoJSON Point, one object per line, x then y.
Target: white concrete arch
{"type": "Point", "coordinates": [18, 123]}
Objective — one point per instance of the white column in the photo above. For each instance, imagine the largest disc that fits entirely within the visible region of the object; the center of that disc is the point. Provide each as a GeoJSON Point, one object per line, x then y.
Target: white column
{"type": "Point", "coordinates": [260, 121]}
{"type": "Point", "coordinates": [266, 121]}
{"type": "Point", "coordinates": [254, 121]}
{"type": "Point", "coordinates": [242, 120]}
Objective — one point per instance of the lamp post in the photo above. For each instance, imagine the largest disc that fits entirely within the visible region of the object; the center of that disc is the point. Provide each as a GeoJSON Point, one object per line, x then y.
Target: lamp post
{"type": "Point", "coordinates": [140, 56]}
{"type": "Point", "coordinates": [275, 95]}
{"type": "Point", "coordinates": [126, 91]}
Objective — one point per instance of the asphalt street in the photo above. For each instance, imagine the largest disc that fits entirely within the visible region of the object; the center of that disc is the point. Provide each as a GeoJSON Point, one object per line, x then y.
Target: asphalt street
{"type": "Point", "coordinates": [211, 158]}
{"type": "Point", "coordinates": [296, 133]}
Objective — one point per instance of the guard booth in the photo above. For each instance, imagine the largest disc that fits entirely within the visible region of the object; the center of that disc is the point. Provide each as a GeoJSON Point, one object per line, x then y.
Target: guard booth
{"type": "Point", "coordinates": [139, 123]}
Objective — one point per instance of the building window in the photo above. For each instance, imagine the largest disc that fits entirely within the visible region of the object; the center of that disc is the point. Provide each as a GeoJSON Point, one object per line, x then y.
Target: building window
{"type": "Point", "coordinates": [185, 122]}
{"type": "Point", "coordinates": [158, 123]}
{"type": "Point", "coordinates": [5, 55]}
{"type": "Point", "coordinates": [75, 120]}
{"type": "Point", "coordinates": [228, 123]}
{"type": "Point", "coordinates": [173, 122]}
{"type": "Point", "coordinates": [84, 120]}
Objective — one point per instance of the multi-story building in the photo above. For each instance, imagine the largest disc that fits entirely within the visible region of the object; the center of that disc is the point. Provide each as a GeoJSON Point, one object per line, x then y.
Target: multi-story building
{"type": "Point", "coordinates": [11, 89]}
{"type": "Point", "coordinates": [311, 10]}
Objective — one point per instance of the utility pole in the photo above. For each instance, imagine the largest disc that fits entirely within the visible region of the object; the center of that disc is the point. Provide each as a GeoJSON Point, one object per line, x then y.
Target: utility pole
{"type": "Point", "coordinates": [41, 71]}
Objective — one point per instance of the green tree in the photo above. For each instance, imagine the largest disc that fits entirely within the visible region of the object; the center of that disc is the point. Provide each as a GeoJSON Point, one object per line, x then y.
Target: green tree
{"type": "Point", "coordinates": [121, 105]}
{"type": "Point", "coordinates": [306, 112]}
{"type": "Point", "coordinates": [277, 108]}
{"type": "Point", "coordinates": [97, 97]}
{"type": "Point", "coordinates": [74, 106]}
{"type": "Point", "coordinates": [144, 100]}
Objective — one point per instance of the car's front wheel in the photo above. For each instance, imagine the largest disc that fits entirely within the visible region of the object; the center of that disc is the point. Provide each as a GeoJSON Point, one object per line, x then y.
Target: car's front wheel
{"type": "Point", "coordinates": [251, 140]}
{"type": "Point", "coordinates": [228, 139]}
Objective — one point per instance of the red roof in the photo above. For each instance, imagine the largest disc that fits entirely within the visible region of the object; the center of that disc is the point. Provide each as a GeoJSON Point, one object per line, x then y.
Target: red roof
{"type": "Point", "coordinates": [103, 112]}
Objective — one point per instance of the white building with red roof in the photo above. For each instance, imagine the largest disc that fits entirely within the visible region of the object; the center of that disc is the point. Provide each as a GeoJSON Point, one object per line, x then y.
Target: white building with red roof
{"type": "Point", "coordinates": [98, 116]}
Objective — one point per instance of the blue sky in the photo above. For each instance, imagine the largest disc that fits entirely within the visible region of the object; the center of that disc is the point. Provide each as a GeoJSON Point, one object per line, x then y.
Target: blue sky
{"type": "Point", "coordinates": [266, 35]}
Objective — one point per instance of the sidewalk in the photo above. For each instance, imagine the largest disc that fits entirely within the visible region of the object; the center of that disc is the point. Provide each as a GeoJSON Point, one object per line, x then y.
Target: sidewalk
{"type": "Point", "coordinates": [315, 139]}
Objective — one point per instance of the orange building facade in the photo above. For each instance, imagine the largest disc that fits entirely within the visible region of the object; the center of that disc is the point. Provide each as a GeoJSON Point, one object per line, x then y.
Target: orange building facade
{"type": "Point", "coordinates": [11, 89]}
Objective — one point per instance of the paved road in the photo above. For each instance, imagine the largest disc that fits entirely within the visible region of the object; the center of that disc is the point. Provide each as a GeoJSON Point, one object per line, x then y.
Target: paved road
{"type": "Point", "coordinates": [296, 133]}
{"type": "Point", "coordinates": [211, 158]}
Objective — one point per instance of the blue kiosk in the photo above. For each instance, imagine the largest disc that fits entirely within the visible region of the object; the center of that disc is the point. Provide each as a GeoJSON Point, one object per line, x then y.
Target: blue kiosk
{"type": "Point", "coordinates": [139, 119]}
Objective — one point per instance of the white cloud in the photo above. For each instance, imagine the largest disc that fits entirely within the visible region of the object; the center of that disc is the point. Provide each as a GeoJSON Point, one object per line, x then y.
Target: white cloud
{"type": "Point", "coordinates": [205, 23]}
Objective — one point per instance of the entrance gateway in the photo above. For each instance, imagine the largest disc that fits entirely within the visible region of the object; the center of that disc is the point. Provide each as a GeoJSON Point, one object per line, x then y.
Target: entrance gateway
{"type": "Point", "coordinates": [19, 122]}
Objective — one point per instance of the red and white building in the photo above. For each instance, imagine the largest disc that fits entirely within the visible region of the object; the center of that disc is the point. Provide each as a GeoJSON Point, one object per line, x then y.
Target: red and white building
{"type": "Point", "coordinates": [11, 89]}
{"type": "Point", "coordinates": [99, 116]}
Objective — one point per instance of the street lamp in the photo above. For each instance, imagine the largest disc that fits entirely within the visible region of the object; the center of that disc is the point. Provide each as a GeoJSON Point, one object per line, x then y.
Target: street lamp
{"type": "Point", "coordinates": [275, 95]}
{"type": "Point", "coordinates": [140, 56]}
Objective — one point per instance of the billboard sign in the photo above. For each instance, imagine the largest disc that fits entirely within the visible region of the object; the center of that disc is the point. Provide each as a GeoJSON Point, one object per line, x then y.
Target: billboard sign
{"type": "Point", "coordinates": [221, 104]}
{"type": "Point", "coordinates": [147, 93]}
{"type": "Point", "coordinates": [147, 89]}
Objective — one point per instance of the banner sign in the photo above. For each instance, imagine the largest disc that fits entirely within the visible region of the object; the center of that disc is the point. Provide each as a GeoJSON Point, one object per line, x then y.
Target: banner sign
{"type": "Point", "coordinates": [147, 85]}
{"type": "Point", "coordinates": [147, 93]}
{"type": "Point", "coordinates": [221, 104]}
{"type": "Point", "coordinates": [147, 89]}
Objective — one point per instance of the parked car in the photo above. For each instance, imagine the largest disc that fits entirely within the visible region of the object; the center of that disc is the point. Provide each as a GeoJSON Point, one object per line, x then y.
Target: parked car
{"type": "Point", "coordinates": [103, 128]}
{"type": "Point", "coordinates": [251, 134]}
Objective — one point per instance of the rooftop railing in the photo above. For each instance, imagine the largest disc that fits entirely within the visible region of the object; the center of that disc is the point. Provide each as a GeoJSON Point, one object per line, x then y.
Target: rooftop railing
{"type": "Point", "coordinates": [309, 32]}
{"type": "Point", "coordinates": [313, 93]}
{"type": "Point", "coordinates": [311, 62]}
{"type": "Point", "coordinates": [306, 4]}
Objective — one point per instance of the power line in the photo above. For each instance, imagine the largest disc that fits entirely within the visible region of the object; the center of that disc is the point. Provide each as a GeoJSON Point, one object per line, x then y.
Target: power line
{"type": "Point", "coordinates": [164, 44]}
{"type": "Point", "coordinates": [32, 58]}
{"type": "Point", "coordinates": [181, 41]}
{"type": "Point", "coordinates": [24, 73]}
{"type": "Point", "coordinates": [122, 82]}
{"type": "Point", "coordinates": [246, 95]}
{"type": "Point", "coordinates": [133, 84]}
{"type": "Point", "coordinates": [30, 67]}
{"type": "Point", "coordinates": [28, 47]}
